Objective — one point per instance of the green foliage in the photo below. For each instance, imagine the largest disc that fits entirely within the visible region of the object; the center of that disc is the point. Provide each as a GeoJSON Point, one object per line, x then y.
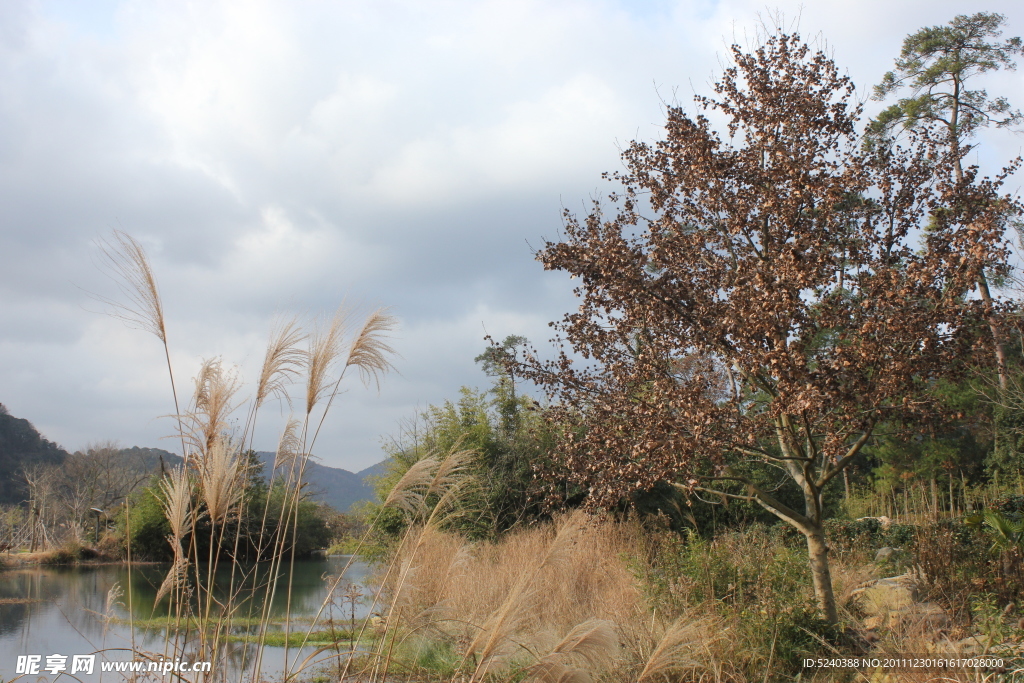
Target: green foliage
{"type": "Point", "coordinates": [867, 535]}
{"type": "Point", "coordinates": [147, 529]}
{"type": "Point", "coordinates": [21, 446]}
{"type": "Point", "coordinates": [753, 576]}
{"type": "Point", "coordinates": [935, 63]}
{"type": "Point", "coordinates": [311, 532]}
{"type": "Point", "coordinates": [956, 560]}
{"type": "Point", "coordinates": [989, 619]}
{"type": "Point", "coordinates": [1010, 504]}
{"type": "Point", "coordinates": [507, 431]}
{"type": "Point", "coordinates": [1006, 532]}
{"type": "Point", "coordinates": [438, 657]}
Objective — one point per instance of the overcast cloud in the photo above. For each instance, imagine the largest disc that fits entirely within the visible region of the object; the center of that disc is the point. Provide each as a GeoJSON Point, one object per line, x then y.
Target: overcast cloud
{"type": "Point", "coordinates": [281, 157]}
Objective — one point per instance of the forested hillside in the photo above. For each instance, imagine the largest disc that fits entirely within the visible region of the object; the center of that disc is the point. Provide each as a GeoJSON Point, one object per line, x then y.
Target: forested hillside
{"type": "Point", "coordinates": [22, 446]}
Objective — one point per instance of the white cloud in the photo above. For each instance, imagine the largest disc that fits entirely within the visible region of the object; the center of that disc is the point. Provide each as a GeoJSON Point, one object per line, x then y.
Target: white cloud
{"type": "Point", "coordinates": [531, 146]}
{"type": "Point", "coordinates": [279, 156]}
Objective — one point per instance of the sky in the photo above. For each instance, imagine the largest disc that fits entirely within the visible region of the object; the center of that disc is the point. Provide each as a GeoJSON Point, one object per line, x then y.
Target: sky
{"type": "Point", "coordinates": [284, 158]}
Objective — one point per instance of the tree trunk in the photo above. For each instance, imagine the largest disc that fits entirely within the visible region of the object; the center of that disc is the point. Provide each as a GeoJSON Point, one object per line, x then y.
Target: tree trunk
{"type": "Point", "coordinates": [817, 550]}
{"type": "Point", "coordinates": [997, 337]}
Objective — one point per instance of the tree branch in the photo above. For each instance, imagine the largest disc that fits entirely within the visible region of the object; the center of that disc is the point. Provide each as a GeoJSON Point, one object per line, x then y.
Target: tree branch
{"type": "Point", "coordinates": [846, 459]}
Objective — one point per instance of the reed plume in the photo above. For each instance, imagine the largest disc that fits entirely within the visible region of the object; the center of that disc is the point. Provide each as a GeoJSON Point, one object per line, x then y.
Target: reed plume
{"type": "Point", "coordinates": [127, 264]}
{"type": "Point", "coordinates": [176, 578]}
{"type": "Point", "coordinates": [280, 362]}
{"type": "Point", "coordinates": [219, 480]}
{"type": "Point", "coordinates": [177, 490]}
{"type": "Point", "coordinates": [369, 351]}
{"type": "Point", "coordinates": [114, 596]}
{"type": "Point", "coordinates": [593, 643]}
{"type": "Point", "coordinates": [215, 388]}
{"type": "Point", "coordinates": [675, 649]}
{"type": "Point", "coordinates": [324, 349]}
{"type": "Point", "coordinates": [409, 493]}
{"type": "Point", "coordinates": [289, 446]}
{"type": "Point", "coordinates": [368, 354]}
{"type": "Point", "coordinates": [453, 470]}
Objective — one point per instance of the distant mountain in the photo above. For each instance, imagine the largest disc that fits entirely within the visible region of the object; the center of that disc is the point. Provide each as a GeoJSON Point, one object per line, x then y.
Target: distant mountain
{"type": "Point", "coordinates": [374, 470]}
{"type": "Point", "coordinates": [150, 458]}
{"type": "Point", "coordinates": [338, 488]}
{"type": "Point", "coordinates": [21, 446]}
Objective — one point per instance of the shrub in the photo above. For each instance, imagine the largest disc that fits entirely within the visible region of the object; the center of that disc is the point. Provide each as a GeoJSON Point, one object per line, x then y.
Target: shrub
{"type": "Point", "coordinates": [957, 566]}
{"type": "Point", "coordinates": [898, 535]}
{"type": "Point", "coordinates": [847, 535]}
{"type": "Point", "coordinates": [756, 579]}
{"type": "Point", "coordinates": [68, 553]}
{"type": "Point", "coordinates": [145, 528]}
{"type": "Point", "coordinates": [1012, 504]}
{"type": "Point", "coordinates": [111, 545]}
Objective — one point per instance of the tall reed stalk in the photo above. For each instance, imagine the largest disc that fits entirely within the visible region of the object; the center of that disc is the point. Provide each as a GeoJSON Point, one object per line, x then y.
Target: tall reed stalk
{"type": "Point", "coordinates": [209, 486]}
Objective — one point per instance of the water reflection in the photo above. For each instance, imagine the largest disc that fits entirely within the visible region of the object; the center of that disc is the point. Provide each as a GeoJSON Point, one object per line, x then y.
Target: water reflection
{"type": "Point", "coordinates": [63, 610]}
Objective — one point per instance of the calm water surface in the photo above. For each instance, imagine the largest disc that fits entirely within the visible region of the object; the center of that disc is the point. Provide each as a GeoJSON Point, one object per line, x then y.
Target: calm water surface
{"type": "Point", "coordinates": [60, 610]}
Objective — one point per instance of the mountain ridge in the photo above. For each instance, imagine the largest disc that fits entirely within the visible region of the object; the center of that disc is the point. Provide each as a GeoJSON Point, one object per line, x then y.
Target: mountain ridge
{"type": "Point", "coordinates": [22, 445]}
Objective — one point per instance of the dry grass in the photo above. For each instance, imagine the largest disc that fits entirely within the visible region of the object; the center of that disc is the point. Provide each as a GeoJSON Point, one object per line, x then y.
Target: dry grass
{"type": "Point", "coordinates": [177, 490]}
{"type": "Point", "coordinates": [127, 264]}
{"type": "Point", "coordinates": [219, 480]}
{"type": "Point", "coordinates": [736, 609]}
{"type": "Point", "coordinates": [211, 483]}
{"type": "Point", "coordinates": [324, 348]}
{"type": "Point", "coordinates": [370, 352]}
{"type": "Point", "coordinates": [554, 588]}
{"type": "Point", "coordinates": [280, 362]}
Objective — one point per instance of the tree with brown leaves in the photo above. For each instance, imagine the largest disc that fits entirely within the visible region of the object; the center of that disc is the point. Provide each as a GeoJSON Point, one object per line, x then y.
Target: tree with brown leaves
{"type": "Point", "coordinates": [768, 294]}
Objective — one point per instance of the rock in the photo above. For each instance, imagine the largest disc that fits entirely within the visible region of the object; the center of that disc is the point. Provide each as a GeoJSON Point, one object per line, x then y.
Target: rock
{"type": "Point", "coordinates": [874, 622]}
{"type": "Point", "coordinates": [882, 596]}
{"type": "Point", "coordinates": [971, 645]}
{"type": "Point", "coordinates": [921, 615]}
{"type": "Point", "coordinates": [884, 554]}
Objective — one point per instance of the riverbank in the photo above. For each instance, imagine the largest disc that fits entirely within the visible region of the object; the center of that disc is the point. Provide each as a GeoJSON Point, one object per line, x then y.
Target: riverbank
{"type": "Point", "coordinates": [69, 555]}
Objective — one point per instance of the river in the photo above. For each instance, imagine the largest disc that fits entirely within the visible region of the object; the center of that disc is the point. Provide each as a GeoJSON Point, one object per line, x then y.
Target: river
{"type": "Point", "coordinates": [64, 611]}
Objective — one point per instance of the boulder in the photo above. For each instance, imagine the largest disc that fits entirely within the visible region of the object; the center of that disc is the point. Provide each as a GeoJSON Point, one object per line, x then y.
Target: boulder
{"type": "Point", "coordinates": [884, 554]}
{"type": "Point", "coordinates": [971, 645]}
{"type": "Point", "coordinates": [875, 622]}
{"type": "Point", "coordinates": [893, 602]}
{"type": "Point", "coordinates": [920, 615]}
{"type": "Point", "coordinates": [882, 596]}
